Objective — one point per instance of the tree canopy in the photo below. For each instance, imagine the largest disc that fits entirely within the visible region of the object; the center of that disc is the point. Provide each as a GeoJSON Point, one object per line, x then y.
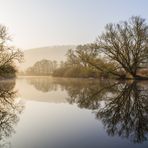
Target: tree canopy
{"type": "Point", "coordinates": [126, 43]}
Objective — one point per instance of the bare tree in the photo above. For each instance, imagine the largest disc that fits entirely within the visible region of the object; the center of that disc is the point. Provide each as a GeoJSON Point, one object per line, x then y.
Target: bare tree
{"type": "Point", "coordinates": [126, 43]}
{"type": "Point", "coordinates": [87, 56]}
{"type": "Point", "coordinates": [9, 55]}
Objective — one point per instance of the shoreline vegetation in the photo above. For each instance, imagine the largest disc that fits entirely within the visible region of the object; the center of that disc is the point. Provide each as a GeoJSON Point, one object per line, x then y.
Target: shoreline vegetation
{"type": "Point", "coordinates": [120, 52]}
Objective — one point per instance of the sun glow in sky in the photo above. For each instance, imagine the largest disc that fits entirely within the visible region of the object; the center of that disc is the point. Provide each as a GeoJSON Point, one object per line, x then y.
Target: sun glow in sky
{"type": "Point", "coordinates": [36, 23]}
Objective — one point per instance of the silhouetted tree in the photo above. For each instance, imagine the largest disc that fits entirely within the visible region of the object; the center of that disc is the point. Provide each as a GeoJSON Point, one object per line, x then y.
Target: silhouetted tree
{"type": "Point", "coordinates": [8, 54]}
{"type": "Point", "coordinates": [126, 43]}
{"type": "Point", "coordinates": [122, 51]}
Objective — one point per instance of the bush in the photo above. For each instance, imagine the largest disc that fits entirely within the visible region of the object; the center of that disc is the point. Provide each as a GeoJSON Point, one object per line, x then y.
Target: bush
{"type": "Point", "coordinates": [7, 71]}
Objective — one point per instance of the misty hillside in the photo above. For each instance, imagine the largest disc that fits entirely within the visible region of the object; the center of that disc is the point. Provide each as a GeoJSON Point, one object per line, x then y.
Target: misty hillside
{"type": "Point", "coordinates": [52, 53]}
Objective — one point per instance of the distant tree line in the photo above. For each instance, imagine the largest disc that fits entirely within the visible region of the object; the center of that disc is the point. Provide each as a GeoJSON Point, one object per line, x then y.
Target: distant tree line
{"type": "Point", "coordinates": [42, 68]}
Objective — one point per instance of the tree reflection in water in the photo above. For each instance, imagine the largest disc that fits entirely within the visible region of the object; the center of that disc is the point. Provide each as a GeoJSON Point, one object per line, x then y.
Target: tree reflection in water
{"type": "Point", "coordinates": [42, 84]}
{"type": "Point", "coordinates": [9, 110]}
{"type": "Point", "coordinates": [126, 112]}
{"type": "Point", "coordinates": [121, 106]}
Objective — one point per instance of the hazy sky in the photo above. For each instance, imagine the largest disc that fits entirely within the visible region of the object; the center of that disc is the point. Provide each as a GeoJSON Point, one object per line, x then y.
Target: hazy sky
{"type": "Point", "coordinates": [36, 23]}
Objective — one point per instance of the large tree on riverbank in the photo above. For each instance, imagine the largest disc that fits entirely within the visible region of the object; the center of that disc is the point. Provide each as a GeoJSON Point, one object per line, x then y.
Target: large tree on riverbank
{"type": "Point", "coordinates": [9, 55]}
{"type": "Point", "coordinates": [126, 43]}
{"type": "Point", "coordinates": [121, 50]}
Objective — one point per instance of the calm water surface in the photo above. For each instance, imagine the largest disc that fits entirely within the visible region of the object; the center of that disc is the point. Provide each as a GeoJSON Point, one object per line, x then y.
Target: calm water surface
{"type": "Point", "coordinates": [42, 112]}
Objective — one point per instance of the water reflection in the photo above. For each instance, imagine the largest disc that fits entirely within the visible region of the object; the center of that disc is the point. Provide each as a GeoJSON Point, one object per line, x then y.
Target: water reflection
{"type": "Point", "coordinates": [9, 110]}
{"type": "Point", "coordinates": [42, 84]}
{"type": "Point", "coordinates": [121, 106]}
{"type": "Point", "coordinates": [125, 113]}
